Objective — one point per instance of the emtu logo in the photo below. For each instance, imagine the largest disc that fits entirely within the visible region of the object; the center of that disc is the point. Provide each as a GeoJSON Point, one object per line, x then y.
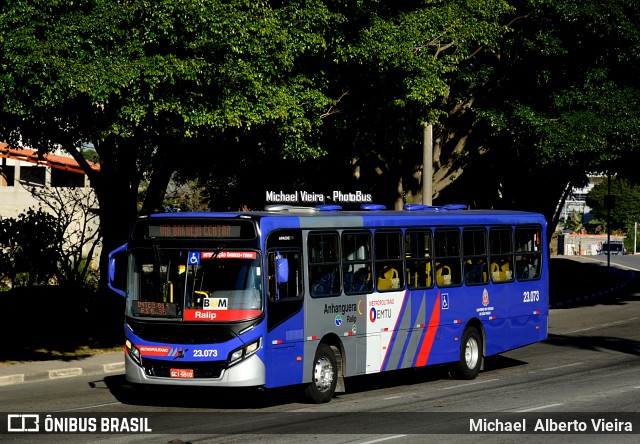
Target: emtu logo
{"type": "Point", "coordinates": [373, 314]}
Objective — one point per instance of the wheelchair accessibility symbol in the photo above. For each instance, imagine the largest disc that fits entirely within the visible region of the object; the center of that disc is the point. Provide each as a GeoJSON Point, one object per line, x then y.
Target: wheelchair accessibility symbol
{"type": "Point", "coordinates": [194, 258]}
{"type": "Point", "coordinates": [445, 301]}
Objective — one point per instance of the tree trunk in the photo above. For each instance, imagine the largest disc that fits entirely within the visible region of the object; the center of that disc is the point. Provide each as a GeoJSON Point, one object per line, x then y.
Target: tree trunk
{"type": "Point", "coordinates": [116, 189]}
{"type": "Point", "coordinates": [161, 173]}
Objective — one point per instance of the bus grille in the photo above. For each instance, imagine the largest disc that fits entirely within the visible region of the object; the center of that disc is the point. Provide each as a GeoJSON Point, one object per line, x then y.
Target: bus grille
{"type": "Point", "coordinates": [181, 333]}
{"type": "Point", "coordinates": [201, 370]}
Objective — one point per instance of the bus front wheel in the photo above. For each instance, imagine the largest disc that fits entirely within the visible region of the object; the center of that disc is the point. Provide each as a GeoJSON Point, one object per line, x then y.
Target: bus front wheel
{"type": "Point", "coordinates": [324, 377]}
{"type": "Point", "coordinates": [470, 354]}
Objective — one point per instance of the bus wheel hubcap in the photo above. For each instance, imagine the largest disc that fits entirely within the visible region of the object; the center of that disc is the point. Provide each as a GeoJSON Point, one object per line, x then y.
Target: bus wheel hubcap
{"type": "Point", "coordinates": [471, 353]}
{"type": "Point", "coordinates": [323, 374]}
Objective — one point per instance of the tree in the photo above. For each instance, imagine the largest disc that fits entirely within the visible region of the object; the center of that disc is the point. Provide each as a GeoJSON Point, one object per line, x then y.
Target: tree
{"type": "Point", "coordinates": [558, 100]}
{"type": "Point", "coordinates": [525, 95]}
{"type": "Point", "coordinates": [142, 81]}
{"type": "Point", "coordinates": [77, 222]}
{"type": "Point", "coordinates": [28, 249]}
{"type": "Point", "coordinates": [626, 202]}
{"type": "Point", "coordinates": [389, 68]}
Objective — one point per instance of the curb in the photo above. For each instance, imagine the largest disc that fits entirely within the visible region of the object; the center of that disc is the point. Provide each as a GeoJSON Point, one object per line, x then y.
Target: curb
{"type": "Point", "coordinates": [45, 375]}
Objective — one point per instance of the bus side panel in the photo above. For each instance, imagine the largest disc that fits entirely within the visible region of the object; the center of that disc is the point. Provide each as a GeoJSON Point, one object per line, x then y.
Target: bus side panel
{"type": "Point", "coordinates": [525, 331]}
{"type": "Point", "coordinates": [424, 334]}
{"type": "Point", "coordinates": [285, 350]}
{"type": "Point", "coordinates": [446, 347]}
{"type": "Point", "coordinates": [496, 333]}
{"type": "Point", "coordinates": [399, 339]}
{"type": "Point", "coordinates": [454, 305]}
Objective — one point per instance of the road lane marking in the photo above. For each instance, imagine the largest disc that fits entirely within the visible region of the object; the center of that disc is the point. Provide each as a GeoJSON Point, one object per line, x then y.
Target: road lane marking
{"type": "Point", "coordinates": [533, 409]}
{"type": "Point", "coordinates": [471, 383]}
{"type": "Point", "coordinates": [622, 321]}
{"type": "Point", "coordinates": [88, 407]}
{"type": "Point", "coordinates": [561, 366]}
{"type": "Point", "coordinates": [386, 438]}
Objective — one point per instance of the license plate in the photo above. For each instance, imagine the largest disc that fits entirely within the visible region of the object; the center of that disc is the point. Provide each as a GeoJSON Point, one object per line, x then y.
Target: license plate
{"type": "Point", "coordinates": [181, 373]}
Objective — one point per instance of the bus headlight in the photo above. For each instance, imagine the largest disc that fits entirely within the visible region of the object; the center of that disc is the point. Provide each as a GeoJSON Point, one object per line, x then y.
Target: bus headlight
{"type": "Point", "coordinates": [244, 352]}
{"type": "Point", "coordinates": [133, 352]}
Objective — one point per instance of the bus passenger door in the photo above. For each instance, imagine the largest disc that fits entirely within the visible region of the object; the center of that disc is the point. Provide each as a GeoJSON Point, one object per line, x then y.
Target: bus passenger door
{"type": "Point", "coordinates": [285, 319]}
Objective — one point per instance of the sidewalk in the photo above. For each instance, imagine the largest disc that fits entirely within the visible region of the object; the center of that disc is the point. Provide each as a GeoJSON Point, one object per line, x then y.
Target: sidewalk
{"type": "Point", "coordinates": [100, 364]}
{"type": "Point", "coordinates": [581, 289]}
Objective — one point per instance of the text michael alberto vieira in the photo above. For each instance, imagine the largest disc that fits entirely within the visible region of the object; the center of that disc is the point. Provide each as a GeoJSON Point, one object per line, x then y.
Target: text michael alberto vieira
{"type": "Point", "coordinates": [310, 197]}
{"type": "Point", "coordinates": [594, 425]}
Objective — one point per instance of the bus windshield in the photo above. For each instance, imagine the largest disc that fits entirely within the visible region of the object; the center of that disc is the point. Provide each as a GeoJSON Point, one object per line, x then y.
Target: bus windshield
{"type": "Point", "coordinates": [209, 286]}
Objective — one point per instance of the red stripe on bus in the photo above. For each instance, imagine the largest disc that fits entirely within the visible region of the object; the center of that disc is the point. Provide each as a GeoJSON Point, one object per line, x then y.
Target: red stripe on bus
{"type": "Point", "coordinates": [430, 334]}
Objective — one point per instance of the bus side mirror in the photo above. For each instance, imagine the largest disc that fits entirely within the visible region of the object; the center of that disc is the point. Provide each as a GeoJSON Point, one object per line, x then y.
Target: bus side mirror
{"type": "Point", "coordinates": [117, 276]}
{"type": "Point", "coordinates": [282, 270]}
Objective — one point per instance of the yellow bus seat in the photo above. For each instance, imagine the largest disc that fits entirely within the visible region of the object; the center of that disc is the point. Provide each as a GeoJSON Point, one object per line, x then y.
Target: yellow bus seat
{"type": "Point", "coordinates": [388, 279]}
{"type": "Point", "coordinates": [443, 275]}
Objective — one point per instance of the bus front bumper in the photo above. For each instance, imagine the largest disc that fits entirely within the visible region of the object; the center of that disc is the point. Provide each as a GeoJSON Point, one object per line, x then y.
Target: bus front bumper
{"type": "Point", "coordinates": [248, 373]}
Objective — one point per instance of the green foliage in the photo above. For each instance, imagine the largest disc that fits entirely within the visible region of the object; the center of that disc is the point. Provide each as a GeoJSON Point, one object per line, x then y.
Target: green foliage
{"type": "Point", "coordinates": [121, 68]}
{"type": "Point", "coordinates": [140, 80]}
{"type": "Point", "coordinates": [27, 244]}
{"type": "Point", "coordinates": [632, 235]}
{"type": "Point", "coordinates": [626, 197]}
{"type": "Point", "coordinates": [558, 99]}
{"type": "Point", "coordinates": [235, 92]}
{"type": "Point", "coordinates": [573, 222]}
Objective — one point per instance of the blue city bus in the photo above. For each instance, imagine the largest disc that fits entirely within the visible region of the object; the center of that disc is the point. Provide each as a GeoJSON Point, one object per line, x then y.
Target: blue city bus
{"type": "Point", "coordinates": [308, 296]}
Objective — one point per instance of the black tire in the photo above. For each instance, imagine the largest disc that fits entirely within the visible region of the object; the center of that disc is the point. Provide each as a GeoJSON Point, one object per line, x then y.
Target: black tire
{"type": "Point", "coordinates": [324, 377]}
{"type": "Point", "coordinates": [470, 354]}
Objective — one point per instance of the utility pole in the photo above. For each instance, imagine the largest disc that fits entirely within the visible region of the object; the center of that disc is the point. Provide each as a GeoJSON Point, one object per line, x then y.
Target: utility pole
{"type": "Point", "coordinates": [427, 165]}
{"type": "Point", "coordinates": [608, 204]}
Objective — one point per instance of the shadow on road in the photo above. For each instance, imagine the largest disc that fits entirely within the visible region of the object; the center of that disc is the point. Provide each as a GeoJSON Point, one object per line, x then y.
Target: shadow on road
{"type": "Point", "coordinates": [575, 283]}
{"type": "Point", "coordinates": [596, 343]}
{"type": "Point", "coordinates": [255, 399]}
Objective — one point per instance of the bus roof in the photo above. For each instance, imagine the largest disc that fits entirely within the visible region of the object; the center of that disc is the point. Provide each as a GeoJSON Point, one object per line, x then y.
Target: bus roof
{"type": "Point", "coordinates": [321, 217]}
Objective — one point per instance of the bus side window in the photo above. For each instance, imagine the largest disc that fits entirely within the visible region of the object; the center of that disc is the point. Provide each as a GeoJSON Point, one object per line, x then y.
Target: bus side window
{"type": "Point", "coordinates": [528, 253]}
{"type": "Point", "coordinates": [388, 260]}
{"type": "Point", "coordinates": [417, 245]}
{"type": "Point", "coordinates": [447, 257]}
{"type": "Point", "coordinates": [356, 262]}
{"type": "Point", "coordinates": [324, 264]}
{"type": "Point", "coordinates": [501, 253]}
{"type": "Point", "coordinates": [474, 246]}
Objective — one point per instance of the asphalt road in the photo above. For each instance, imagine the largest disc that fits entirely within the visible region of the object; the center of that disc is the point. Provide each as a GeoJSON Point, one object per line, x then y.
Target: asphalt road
{"type": "Point", "coordinates": [587, 374]}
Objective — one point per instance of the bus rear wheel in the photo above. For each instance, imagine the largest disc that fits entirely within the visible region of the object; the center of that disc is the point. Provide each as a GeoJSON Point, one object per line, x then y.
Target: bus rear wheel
{"type": "Point", "coordinates": [324, 377]}
{"type": "Point", "coordinates": [470, 354]}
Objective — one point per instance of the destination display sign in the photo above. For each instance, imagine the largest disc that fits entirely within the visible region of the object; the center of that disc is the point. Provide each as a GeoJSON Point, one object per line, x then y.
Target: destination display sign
{"type": "Point", "coordinates": [158, 309]}
{"type": "Point", "coordinates": [193, 228]}
{"type": "Point", "coordinates": [187, 230]}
